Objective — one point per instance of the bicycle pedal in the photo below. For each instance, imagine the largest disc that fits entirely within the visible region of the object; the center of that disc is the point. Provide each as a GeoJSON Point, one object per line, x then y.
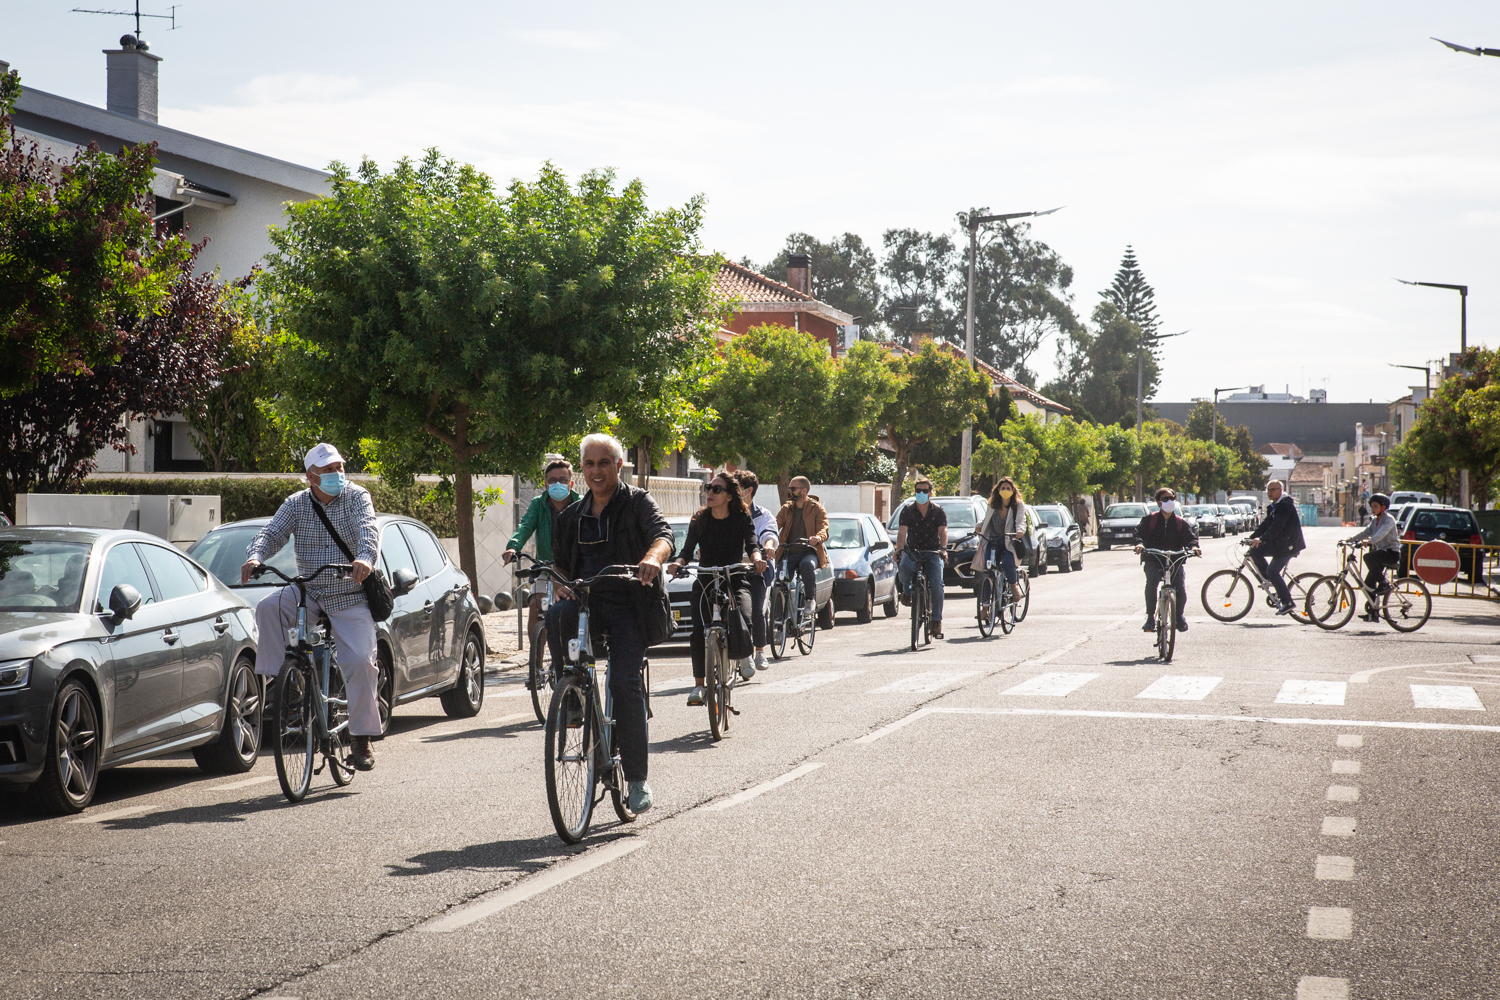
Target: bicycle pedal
{"type": "Point", "coordinates": [733, 710]}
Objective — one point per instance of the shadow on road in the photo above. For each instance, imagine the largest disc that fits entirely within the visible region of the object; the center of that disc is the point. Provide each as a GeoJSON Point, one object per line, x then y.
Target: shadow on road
{"type": "Point", "coordinates": [225, 812]}
{"type": "Point", "coordinates": [524, 856]}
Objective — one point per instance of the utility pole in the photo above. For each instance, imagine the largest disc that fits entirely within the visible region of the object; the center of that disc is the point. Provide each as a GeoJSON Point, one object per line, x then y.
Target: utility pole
{"type": "Point", "coordinates": [1463, 346]}
{"type": "Point", "coordinates": [1235, 388]}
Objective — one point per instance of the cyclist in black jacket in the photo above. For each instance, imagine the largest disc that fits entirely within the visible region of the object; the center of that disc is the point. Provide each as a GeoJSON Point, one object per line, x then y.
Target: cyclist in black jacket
{"type": "Point", "coordinates": [1165, 529]}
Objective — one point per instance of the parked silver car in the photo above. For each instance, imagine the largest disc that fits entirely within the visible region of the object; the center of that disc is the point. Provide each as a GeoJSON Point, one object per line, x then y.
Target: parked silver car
{"type": "Point", "coordinates": [1117, 526]}
{"type": "Point", "coordinates": [1207, 519]}
{"type": "Point", "coordinates": [864, 567]}
{"type": "Point", "coordinates": [115, 647]}
{"type": "Point", "coordinates": [432, 645]}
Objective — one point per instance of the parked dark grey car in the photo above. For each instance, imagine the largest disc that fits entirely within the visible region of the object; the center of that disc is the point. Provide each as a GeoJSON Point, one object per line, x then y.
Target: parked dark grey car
{"type": "Point", "coordinates": [115, 647]}
{"type": "Point", "coordinates": [1064, 536]}
{"type": "Point", "coordinates": [432, 645]}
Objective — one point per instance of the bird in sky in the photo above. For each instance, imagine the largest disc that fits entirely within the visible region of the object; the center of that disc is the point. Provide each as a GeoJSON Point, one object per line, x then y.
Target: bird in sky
{"type": "Point", "coordinates": [1465, 48]}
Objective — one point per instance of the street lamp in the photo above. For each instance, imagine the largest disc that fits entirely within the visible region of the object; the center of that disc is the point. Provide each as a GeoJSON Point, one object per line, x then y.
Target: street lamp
{"type": "Point", "coordinates": [1464, 48]}
{"type": "Point", "coordinates": [1463, 307]}
{"type": "Point", "coordinates": [974, 222]}
{"type": "Point", "coordinates": [1233, 388]}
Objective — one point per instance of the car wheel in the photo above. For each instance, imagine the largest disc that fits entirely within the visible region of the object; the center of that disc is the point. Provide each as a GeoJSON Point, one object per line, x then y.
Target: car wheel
{"type": "Point", "coordinates": [1103, 546]}
{"type": "Point", "coordinates": [1065, 564]}
{"type": "Point", "coordinates": [866, 609]}
{"type": "Point", "coordinates": [385, 691]}
{"type": "Point", "coordinates": [238, 746]}
{"type": "Point", "coordinates": [825, 615]}
{"type": "Point", "coordinates": [467, 696]}
{"type": "Point", "coordinates": [1078, 563]}
{"type": "Point", "coordinates": [893, 605]}
{"type": "Point", "coordinates": [70, 774]}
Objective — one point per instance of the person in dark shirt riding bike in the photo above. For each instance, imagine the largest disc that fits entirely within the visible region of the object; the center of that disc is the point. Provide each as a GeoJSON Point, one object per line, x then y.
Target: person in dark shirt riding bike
{"type": "Point", "coordinates": [1165, 529]}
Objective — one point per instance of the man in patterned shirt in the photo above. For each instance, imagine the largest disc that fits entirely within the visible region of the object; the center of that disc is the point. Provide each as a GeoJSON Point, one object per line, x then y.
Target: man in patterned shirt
{"type": "Point", "coordinates": [352, 515]}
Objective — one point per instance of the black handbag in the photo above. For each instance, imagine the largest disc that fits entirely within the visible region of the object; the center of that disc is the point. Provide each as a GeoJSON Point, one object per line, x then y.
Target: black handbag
{"type": "Point", "coordinates": [377, 591]}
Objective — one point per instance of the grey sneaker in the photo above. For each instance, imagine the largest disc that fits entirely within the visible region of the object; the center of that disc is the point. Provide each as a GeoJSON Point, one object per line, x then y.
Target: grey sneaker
{"type": "Point", "coordinates": [760, 660]}
{"type": "Point", "coordinates": [640, 797]}
{"type": "Point", "coordinates": [746, 670]}
{"type": "Point", "coordinates": [695, 700]}
{"type": "Point", "coordinates": [809, 608]}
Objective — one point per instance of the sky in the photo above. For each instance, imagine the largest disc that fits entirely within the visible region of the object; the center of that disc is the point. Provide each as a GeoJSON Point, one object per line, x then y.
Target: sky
{"type": "Point", "coordinates": [1275, 165]}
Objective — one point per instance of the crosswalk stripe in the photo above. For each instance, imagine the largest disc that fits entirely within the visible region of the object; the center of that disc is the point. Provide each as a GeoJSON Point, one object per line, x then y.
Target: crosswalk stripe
{"type": "Point", "coordinates": [800, 683]}
{"type": "Point", "coordinates": [1051, 685]}
{"type": "Point", "coordinates": [1312, 693]}
{"type": "Point", "coordinates": [1171, 688]}
{"type": "Point", "coordinates": [1458, 697]}
{"type": "Point", "coordinates": [926, 682]}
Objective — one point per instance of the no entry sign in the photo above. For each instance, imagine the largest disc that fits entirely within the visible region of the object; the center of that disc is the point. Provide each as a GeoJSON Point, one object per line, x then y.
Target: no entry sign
{"type": "Point", "coordinates": [1436, 562]}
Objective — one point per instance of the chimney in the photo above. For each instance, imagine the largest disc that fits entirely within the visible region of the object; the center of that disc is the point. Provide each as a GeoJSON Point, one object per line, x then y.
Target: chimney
{"type": "Point", "coordinates": [132, 79]}
{"type": "Point", "coordinates": [799, 272]}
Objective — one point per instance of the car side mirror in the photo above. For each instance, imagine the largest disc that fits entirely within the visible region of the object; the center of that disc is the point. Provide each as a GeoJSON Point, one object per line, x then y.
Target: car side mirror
{"type": "Point", "coordinates": [880, 545]}
{"type": "Point", "coordinates": [403, 582]}
{"type": "Point", "coordinates": [124, 601]}
{"type": "Point", "coordinates": [503, 601]}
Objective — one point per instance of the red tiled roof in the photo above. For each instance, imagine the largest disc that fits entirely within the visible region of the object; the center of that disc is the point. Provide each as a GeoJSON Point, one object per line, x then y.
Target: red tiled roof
{"type": "Point", "coordinates": [736, 283]}
{"type": "Point", "coordinates": [1284, 450]}
{"type": "Point", "coordinates": [1308, 472]}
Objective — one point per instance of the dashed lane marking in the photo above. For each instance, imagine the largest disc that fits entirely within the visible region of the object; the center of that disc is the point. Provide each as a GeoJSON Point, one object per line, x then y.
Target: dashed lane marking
{"type": "Point", "coordinates": [552, 877]}
{"type": "Point", "coordinates": [1345, 767]}
{"type": "Point", "coordinates": [1180, 688]}
{"type": "Point", "coordinates": [1351, 741]}
{"type": "Point", "coordinates": [1050, 685]}
{"type": "Point", "coordinates": [1331, 868]}
{"type": "Point", "coordinates": [760, 789]}
{"type": "Point", "coordinates": [1343, 793]}
{"type": "Point", "coordinates": [242, 783]}
{"type": "Point", "coordinates": [1086, 713]}
{"type": "Point", "coordinates": [1330, 923]}
{"type": "Point", "coordinates": [1455, 697]}
{"type": "Point", "coordinates": [1338, 826]}
{"type": "Point", "coordinates": [1363, 676]}
{"type": "Point", "coordinates": [1312, 693]}
{"type": "Point", "coordinates": [1322, 988]}
{"type": "Point", "coordinates": [889, 728]}
{"type": "Point", "coordinates": [433, 736]}
{"type": "Point", "coordinates": [800, 683]}
{"type": "Point", "coordinates": [925, 683]}
{"type": "Point", "coordinates": [105, 817]}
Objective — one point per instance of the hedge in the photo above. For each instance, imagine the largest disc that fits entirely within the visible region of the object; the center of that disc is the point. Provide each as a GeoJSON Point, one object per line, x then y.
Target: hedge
{"type": "Point", "coordinates": [246, 498]}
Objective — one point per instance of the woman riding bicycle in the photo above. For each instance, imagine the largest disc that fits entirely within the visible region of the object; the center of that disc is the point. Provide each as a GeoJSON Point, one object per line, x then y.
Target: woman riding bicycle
{"type": "Point", "coordinates": [723, 533]}
{"type": "Point", "coordinates": [1006, 518]}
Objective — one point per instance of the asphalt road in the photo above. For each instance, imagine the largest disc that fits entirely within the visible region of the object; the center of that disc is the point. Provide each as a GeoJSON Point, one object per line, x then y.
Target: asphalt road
{"type": "Point", "coordinates": [1032, 815]}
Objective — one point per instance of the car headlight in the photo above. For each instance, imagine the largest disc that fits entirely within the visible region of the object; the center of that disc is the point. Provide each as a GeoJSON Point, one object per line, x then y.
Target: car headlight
{"type": "Point", "coordinates": [14, 674]}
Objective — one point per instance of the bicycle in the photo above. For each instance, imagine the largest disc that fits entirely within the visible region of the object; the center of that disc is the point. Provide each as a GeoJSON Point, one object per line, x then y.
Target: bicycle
{"type": "Point", "coordinates": [311, 714]}
{"type": "Point", "coordinates": [1229, 594]}
{"type": "Point", "coordinates": [1166, 601]}
{"type": "Point", "coordinates": [1007, 612]}
{"type": "Point", "coordinates": [719, 672]}
{"type": "Point", "coordinates": [786, 616]}
{"type": "Point", "coordinates": [1330, 601]}
{"type": "Point", "coordinates": [540, 674]}
{"type": "Point", "coordinates": [582, 752]}
{"type": "Point", "coordinates": [921, 614]}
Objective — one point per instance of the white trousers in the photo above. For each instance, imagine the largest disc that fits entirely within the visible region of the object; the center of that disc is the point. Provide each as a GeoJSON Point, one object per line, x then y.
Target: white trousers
{"type": "Point", "coordinates": [353, 639]}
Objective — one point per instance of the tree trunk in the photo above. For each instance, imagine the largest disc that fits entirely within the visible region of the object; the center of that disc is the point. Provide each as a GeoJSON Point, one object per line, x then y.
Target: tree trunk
{"type": "Point", "coordinates": [463, 490]}
{"type": "Point", "coordinates": [783, 484]}
{"type": "Point", "coordinates": [898, 487]}
{"type": "Point", "coordinates": [644, 451]}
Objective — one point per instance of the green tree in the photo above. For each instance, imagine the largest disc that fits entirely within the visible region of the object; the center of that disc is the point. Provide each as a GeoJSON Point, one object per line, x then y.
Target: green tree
{"type": "Point", "coordinates": [1134, 297]}
{"type": "Point", "coordinates": [1097, 369]}
{"type": "Point", "coordinates": [1014, 455]}
{"type": "Point", "coordinates": [465, 332]}
{"type": "Point", "coordinates": [938, 395]}
{"type": "Point", "coordinates": [656, 419]}
{"type": "Point", "coordinates": [1123, 446]}
{"type": "Point", "coordinates": [80, 260]}
{"type": "Point", "coordinates": [845, 273]}
{"type": "Point", "coordinates": [918, 271]}
{"type": "Point", "coordinates": [1458, 427]}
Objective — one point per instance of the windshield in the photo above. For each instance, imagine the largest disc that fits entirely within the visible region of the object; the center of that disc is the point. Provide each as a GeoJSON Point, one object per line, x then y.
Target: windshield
{"type": "Point", "coordinates": [844, 533]}
{"type": "Point", "coordinates": [1126, 510]}
{"type": "Point", "coordinates": [1206, 511]}
{"type": "Point", "coordinates": [679, 536]}
{"type": "Point", "coordinates": [1225, 509]}
{"type": "Point", "coordinates": [37, 574]}
{"type": "Point", "coordinates": [960, 515]}
{"type": "Point", "coordinates": [222, 553]}
{"type": "Point", "coordinates": [1052, 517]}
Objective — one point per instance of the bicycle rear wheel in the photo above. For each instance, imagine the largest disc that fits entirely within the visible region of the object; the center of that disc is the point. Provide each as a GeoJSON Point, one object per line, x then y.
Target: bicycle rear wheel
{"type": "Point", "coordinates": [807, 634]}
{"type": "Point", "coordinates": [918, 609]}
{"type": "Point", "coordinates": [776, 619]}
{"type": "Point", "coordinates": [1228, 595]}
{"type": "Point", "coordinates": [1407, 606]}
{"type": "Point", "coordinates": [715, 666]}
{"type": "Point", "coordinates": [1166, 627]}
{"type": "Point", "coordinates": [539, 673]}
{"type": "Point", "coordinates": [987, 603]}
{"type": "Point", "coordinates": [1299, 586]}
{"type": "Point", "coordinates": [296, 743]}
{"type": "Point", "coordinates": [570, 759]}
{"type": "Point", "coordinates": [1019, 608]}
{"type": "Point", "coordinates": [1330, 602]}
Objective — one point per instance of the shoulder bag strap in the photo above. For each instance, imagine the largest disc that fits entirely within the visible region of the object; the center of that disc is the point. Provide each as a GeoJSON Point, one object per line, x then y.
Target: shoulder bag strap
{"type": "Point", "coordinates": [323, 516]}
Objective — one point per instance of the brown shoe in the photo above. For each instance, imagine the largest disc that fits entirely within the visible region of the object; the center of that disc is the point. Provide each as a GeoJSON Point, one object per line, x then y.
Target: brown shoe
{"type": "Point", "coordinates": [362, 755]}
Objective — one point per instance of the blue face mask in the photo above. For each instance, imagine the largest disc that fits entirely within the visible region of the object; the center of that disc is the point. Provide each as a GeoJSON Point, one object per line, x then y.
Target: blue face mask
{"type": "Point", "coordinates": [558, 491]}
{"type": "Point", "coordinates": [922, 497]}
{"type": "Point", "coordinates": [331, 483]}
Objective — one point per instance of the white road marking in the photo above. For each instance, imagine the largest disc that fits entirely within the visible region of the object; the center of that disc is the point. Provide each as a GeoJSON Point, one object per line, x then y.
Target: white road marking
{"type": "Point", "coordinates": [1312, 693]}
{"type": "Point", "coordinates": [1051, 685]}
{"type": "Point", "coordinates": [800, 683]}
{"type": "Point", "coordinates": [924, 683]}
{"type": "Point", "coordinates": [1343, 793]}
{"type": "Point", "coordinates": [105, 817]}
{"type": "Point", "coordinates": [1351, 741]}
{"type": "Point", "coordinates": [676, 684]}
{"type": "Point", "coordinates": [1330, 923]}
{"type": "Point", "coordinates": [434, 735]}
{"type": "Point", "coordinates": [1322, 988]}
{"type": "Point", "coordinates": [1331, 868]}
{"type": "Point", "coordinates": [509, 691]}
{"type": "Point", "coordinates": [1338, 826]}
{"type": "Point", "coordinates": [1363, 676]}
{"type": "Point", "coordinates": [1451, 696]}
{"type": "Point", "coordinates": [1345, 767]}
{"type": "Point", "coordinates": [1180, 688]}
{"type": "Point", "coordinates": [554, 876]}
{"type": "Point", "coordinates": [889, 728]}
{"type": "Point", "coordinates": [760, 789]}
{"type": "Point", "coordinates": [1089, 713]}
{"type": "Point", "coordinates": [242, 783]}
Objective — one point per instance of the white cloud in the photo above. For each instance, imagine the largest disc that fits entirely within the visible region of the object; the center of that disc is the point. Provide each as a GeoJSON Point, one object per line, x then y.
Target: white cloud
{"type": "Point", "coordinates": [561, 39]}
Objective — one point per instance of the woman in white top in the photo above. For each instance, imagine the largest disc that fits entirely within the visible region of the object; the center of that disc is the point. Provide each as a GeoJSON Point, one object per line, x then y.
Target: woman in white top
{"type": "Point", "coordinates": [1007, 517]}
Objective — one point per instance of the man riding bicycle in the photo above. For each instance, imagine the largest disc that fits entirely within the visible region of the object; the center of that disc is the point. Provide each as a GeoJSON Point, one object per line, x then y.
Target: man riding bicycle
{"type": "Point", "coordinates": [613, 524]}
{"type": "Point", "coordinates": [768, 538]}
{"type": "Point", "coordinates": [349, 509]}
{"type": "Point", "coordinates": [1280, 534]}
{"type": "Point", "coordinates": [925, 525]}
{"type": "Point", "coordinates": [1165, 529]}
{"type": "Point", "coordinates": [1384, 540]}
{"type": "Point", "coordinates": [803, 523]}
{"type": "Point", "coordinates": [538, 520]}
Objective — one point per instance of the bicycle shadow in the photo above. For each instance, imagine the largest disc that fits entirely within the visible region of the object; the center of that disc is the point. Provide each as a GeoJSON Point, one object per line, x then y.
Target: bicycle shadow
{"type": "Point", "coordinates": [509, 731]}
{"type": "Point", "coordinates": [525, 857]}
{"type": "Point", "coordinates": [225, 812]}
{"type": "Point", "coordinates": [686, 743]}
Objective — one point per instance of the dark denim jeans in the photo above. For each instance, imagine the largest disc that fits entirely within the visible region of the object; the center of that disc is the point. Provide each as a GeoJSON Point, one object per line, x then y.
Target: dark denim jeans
{"type": "Point", "coordinates": [615, 615]}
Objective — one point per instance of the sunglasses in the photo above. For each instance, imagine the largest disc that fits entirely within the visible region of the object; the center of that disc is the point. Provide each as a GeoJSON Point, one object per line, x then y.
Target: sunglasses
{"type": "Point", "coordinates": [716, 488]}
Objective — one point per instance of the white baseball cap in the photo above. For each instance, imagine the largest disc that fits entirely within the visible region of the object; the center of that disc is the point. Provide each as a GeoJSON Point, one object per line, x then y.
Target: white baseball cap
{"type": "Point", "coordinates": [322, 453]}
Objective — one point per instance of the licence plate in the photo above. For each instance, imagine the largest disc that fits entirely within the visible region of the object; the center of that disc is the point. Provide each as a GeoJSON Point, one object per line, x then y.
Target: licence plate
{"type": "Point", "coordinates": [676, 615]}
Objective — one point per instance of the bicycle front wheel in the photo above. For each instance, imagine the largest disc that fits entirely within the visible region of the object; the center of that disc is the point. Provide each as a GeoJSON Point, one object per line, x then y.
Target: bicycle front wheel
{"type": "Point", "coordinates": [1166, 628]}
{"type": "Point", "coordinates": [918, 610]}
{"type": "Point", "coordinates": [1228, 595]}
{"type": "Point", "coordinates": [1330, 602]}
{"type": "Point", "coordinates": [987, 602]}
{"type": "Point", "coordinates": [339, 745]}
{"type": "Point", "coordinates": [776, 620]}
{"type": "Point", "coordinates": [540, 674]}
{"type": "Point", "coordinates": [1408, 605]}
{"type": "Point", "coordinates": [570, 760]}
{"type": "Point", "coordinates": [1300, 586]}
{"type": "Point", "coordinates": [715, 667]}
{"type": "Point", "coordinates": [296, 742]}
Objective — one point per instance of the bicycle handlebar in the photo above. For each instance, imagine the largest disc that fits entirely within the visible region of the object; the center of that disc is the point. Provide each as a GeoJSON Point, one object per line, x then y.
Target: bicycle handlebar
{"type": "Point", "coordinates": [617, 572]}
{"type": "Point", "coordinates": [341, 572]}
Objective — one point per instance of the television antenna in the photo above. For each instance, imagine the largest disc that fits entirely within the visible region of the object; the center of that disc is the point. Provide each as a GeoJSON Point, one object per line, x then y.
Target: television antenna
{"type": "Point", "coordinates": [172, 16]}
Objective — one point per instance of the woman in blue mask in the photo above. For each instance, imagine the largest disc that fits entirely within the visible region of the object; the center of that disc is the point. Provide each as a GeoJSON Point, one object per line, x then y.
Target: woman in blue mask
{"type": "Point", "coordinates": [557, 494]}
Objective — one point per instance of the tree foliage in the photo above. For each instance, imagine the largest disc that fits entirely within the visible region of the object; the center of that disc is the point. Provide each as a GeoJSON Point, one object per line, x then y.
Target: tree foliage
{"type": "Point", "coordinates": [918, 270]}
{"type": "Point", "coordinates": [1458, 427]}
{"type": "Point", "coordinates": [1097, 369]}
{"type": "Point", "coordinates": [1061, 460]}
{"type": "Point", "coordinates": [845, 273]}
{"type": "Point", "coordinates": [938, 395]}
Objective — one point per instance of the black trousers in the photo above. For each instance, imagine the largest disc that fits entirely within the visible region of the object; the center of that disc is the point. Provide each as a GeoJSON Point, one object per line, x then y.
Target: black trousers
{"type": "Point", "coordinates": [758, 610]}
{"type": "Point", "coordinates": [1376, 563]}
{"type": "Point", "coordinates": [1153, 569]}
{"type": "Point", "coordinates": [739, 638]}
{"type": "Point", "coordinates": [617, 616]}
{"type": "Point", "coordinates": [1273, 572]}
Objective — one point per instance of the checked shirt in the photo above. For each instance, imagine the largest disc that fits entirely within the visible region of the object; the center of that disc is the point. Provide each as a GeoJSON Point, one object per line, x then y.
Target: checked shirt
{"type": "Point", "coordinates": [351, 512]}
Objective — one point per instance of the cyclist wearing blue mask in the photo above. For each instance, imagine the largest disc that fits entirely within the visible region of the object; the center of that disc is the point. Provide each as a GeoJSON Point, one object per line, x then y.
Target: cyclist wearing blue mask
{"type": "Point", "coordinates": [351, 513]}
{"type": "Point", "coordinates": [541, 514]}
{"type": "Point", "coordinates": [924, 526]}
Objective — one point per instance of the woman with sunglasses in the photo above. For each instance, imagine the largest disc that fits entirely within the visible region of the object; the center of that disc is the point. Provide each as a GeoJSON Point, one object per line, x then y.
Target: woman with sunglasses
{"type": "Point", "coordinates": [722, 533]}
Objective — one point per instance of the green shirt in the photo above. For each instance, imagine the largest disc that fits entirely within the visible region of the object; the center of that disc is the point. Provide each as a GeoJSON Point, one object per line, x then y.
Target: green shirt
{"type": "Point", "coordinates": [538, 520]}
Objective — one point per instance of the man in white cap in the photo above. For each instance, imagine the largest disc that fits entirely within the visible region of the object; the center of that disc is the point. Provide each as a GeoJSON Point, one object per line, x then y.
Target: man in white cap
{"type": "Point", "coordinates": [352, 514]}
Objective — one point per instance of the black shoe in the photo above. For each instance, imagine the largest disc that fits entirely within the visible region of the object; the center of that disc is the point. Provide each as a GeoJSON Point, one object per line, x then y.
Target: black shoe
{"type": "Point", "coordinates": [906, 600]}
{"type": "Point", "coordinates": [361, 755]}
{"type": "Point", "coordinates": [1384, 588]}
{"type": "Point", "coordinates": [1150, 625]}
{"type": "Point", "coordinates": [1286, 609]}
{"type": "Point", "coordinates": [1369, 617]}
{"type": "Point", "coordinates": [1182, 624]}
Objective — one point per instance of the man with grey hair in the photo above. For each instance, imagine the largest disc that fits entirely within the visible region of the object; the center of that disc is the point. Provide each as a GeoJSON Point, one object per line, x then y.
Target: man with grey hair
{"type": "Point", "coordinates": [1280, 535]}
{"type": "Point", "coordinates": [615, 524]}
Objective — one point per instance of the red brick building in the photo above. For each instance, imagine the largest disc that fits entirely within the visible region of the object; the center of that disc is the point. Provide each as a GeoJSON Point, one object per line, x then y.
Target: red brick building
{"type": "Point", "coordinates": [759, 300]}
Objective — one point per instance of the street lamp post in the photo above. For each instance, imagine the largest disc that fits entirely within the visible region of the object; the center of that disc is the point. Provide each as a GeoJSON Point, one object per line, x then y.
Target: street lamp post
{"type": "Point", "coordinates": [1233, 388]}
{"type": "Point", "coordinates": [974, 222]}
{"type": "Point", "coordinates": [1463, 345]}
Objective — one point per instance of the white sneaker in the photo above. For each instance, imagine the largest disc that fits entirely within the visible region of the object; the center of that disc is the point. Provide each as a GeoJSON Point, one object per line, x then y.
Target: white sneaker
{"type": "Point", "coordinates": [746, 670]}
{"type": "Point", "coordinates": [809, 608]}
{"type": "Point", "coordinates": [696, 698]}
{"type": "Point", "coordinates": [760, 660]}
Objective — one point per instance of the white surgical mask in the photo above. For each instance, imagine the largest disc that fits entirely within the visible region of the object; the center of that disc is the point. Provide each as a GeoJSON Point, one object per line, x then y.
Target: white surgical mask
{"type": "Point", "coordinates": [1168, 506]}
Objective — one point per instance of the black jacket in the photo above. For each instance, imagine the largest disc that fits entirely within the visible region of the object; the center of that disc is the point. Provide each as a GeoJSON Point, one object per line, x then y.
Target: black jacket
{"type": "Point", "coordinates": [1281, 532]}
{"type": "Point", "coordinates": [635, 521]}
{"type": "Point", "coordinates": [1157, 531]}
